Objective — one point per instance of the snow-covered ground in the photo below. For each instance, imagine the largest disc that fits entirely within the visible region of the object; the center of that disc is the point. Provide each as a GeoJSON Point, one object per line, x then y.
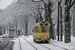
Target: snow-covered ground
{"type": "Point", "coordinates": [27, 43]}
{"type": "Point", "coordinates": [73, 41]}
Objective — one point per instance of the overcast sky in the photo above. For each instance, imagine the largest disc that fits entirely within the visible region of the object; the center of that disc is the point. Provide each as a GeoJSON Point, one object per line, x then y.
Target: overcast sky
{"type": "Point", "coordinates": [5, 3]}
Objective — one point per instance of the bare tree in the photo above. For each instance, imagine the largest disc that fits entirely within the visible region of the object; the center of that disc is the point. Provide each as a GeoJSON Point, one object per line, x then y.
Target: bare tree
{"type": "Point", "coordinates": [68, 5]}
{"type": "Point", "coordinates": [49, 10]}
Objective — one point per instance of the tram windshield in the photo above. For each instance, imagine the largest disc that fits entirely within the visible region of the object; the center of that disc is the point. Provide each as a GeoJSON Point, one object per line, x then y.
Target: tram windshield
{"type": "Point", "coordinates": [43, 29]}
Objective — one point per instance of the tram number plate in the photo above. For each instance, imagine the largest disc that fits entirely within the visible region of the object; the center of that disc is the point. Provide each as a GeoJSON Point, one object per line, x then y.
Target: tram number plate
{"type": "Point", "coordinates": [43, 39]}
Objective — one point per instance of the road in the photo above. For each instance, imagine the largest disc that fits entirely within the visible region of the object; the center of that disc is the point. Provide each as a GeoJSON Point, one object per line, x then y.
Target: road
{"type": "Point", "coordinates": [6, 44]}
{"type": "Point", "coordinates": [27, 43]}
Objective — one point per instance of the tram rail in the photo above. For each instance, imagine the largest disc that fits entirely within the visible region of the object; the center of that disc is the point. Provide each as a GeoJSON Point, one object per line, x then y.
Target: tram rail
{"type": "Point", "coordinates": [39, 44]}
{"type": "Point", "coordinates": [20, 45]}
{"type": "Point", "coordinates": [3, 45]}
{"type": "Point", "coordinates": [30, 44]}
{"type": "Point", "coordinates": [52, 45]}
{"type": "Point", "coordinates": [59, 46]}
{"type": "Point", "coordinates": [45, 46]}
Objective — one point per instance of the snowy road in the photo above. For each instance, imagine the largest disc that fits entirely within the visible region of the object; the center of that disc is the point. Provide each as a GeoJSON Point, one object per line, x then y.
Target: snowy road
{"type": "Point", "coordinates": [44, 46]}
{"type": "Point", "coordinates": [27, 43]}
{"type": "Point", "coordinates": [6, 44]}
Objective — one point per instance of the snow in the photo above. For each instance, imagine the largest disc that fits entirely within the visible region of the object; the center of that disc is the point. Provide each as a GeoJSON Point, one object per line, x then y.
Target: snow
{"type": "Point", "coordinates": [34, 44]}
{"type": "Point", "coordinates": [63, 45]}
{"type": "Point", "coordinates": [25, 45]}
{"type": "Point", "coordinates": [53, 45]}
{"type": "Point", "coordinates": [16, 45]}
{"type": "Point", "coordinates": [73, 42]}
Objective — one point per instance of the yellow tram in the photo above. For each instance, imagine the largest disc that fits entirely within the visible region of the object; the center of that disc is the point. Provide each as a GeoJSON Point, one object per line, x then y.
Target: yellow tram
{"type": "Point", "coordinates": [41, 32]}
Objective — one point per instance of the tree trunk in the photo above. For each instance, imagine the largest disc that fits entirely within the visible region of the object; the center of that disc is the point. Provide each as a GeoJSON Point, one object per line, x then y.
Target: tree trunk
{"type": "Point", "coordinates": [49, 18]}
{"type": "Point", "coordinates": [67, 25]}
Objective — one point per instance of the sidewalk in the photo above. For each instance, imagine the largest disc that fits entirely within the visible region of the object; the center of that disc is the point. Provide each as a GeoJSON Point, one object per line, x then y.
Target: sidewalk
{"type": "Point", "coordinates": [62, 44]}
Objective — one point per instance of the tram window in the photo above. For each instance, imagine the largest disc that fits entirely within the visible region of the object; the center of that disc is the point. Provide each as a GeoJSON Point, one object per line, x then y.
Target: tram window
{"type": "Point", "coordinates": [37, 29]}
{"type": "Point", "coordinates": [43, 29]}
{"type": "Point", "coordinates": [34, 29]}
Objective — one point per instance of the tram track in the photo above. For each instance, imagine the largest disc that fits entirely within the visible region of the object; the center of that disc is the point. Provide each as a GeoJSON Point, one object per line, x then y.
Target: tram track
{"type": "Point", "coordinates": [58, 46]}
{"type": "Point", "coordinates": [4, 45]}
{"type": "Point", "coordinates": [52, 45]}
{"type": "Point", "coordinates": [20, 45]}
{"type": "Point", "coordinates": [45, 46]}
{"type": "Point", "coordinates": [38, 44]}
{"type": "Point", "coordinates": [31, 44]}
{"type": "Point", "coordinates": [9, 46]}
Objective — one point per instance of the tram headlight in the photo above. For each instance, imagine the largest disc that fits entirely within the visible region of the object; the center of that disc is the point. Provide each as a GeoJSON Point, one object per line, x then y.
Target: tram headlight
{"type": "Point", "coordinates": [41, 24]}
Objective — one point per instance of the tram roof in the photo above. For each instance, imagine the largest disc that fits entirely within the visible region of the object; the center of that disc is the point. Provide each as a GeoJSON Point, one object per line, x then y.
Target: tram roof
{"type": "Point", "coordinates": [38, 24]}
